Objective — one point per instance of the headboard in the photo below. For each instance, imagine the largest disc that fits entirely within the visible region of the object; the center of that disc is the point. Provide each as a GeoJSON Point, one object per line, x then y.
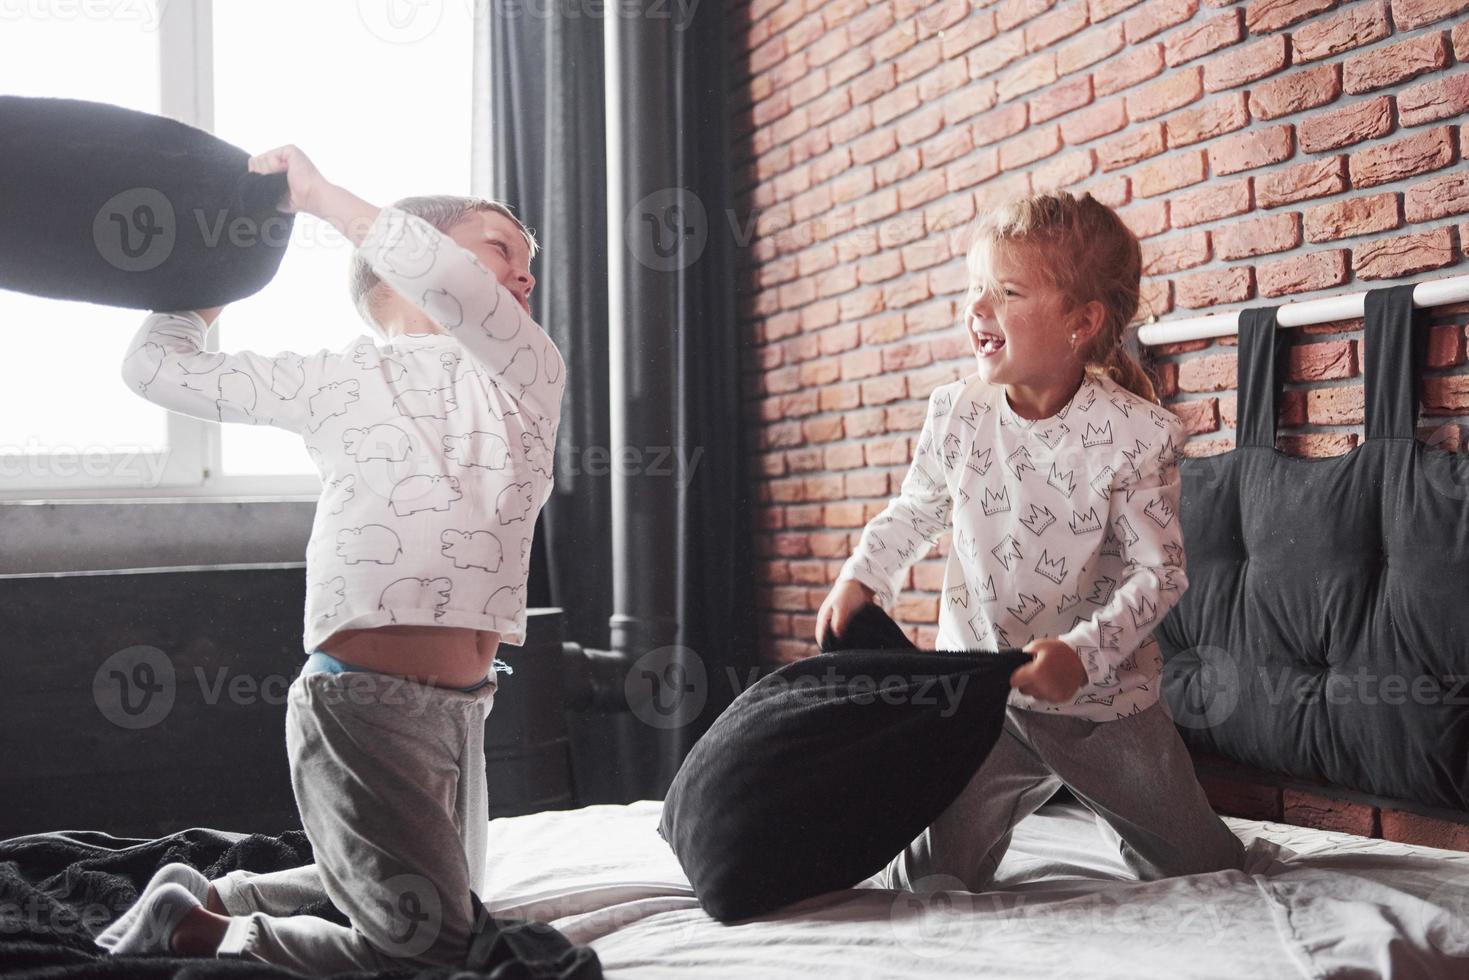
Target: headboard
{"type": "Point", "coordinates": [1324, 633]}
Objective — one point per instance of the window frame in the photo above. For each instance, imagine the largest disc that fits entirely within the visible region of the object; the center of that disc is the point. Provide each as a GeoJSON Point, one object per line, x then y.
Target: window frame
{"type": "Point", "coordinates": [190, 465]}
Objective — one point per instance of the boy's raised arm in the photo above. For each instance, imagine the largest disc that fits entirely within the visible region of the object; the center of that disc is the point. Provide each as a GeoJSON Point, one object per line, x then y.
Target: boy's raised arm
{"type": "Point", "coordinates": [166, 363]}
{"type": "Point", "coordinates": [463, 296]}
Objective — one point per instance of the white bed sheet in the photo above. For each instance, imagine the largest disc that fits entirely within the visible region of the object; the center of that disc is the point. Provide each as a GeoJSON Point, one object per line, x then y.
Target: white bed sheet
{"type": "Point", "coordinates": [1310, 903]}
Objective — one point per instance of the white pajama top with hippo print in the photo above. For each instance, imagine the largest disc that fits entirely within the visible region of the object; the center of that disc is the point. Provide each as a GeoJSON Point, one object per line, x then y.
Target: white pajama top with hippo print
{"type": "Point", "coordinates": [1063, 527]}
{"type": "Point", "coordinates": [435, 450]}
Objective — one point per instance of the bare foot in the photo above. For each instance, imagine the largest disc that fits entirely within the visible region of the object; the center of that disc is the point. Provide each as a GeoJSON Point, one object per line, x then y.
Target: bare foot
{"type": "Point", "coordinates": [199, 933]}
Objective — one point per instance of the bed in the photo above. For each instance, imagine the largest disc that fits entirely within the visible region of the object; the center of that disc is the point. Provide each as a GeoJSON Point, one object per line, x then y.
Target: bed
{"type": "Point", "coordinates": [1309, 904]}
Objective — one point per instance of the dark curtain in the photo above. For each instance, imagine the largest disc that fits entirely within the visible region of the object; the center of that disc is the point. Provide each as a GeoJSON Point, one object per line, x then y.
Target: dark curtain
{"type": "Point", "coordinates": [666, 555]}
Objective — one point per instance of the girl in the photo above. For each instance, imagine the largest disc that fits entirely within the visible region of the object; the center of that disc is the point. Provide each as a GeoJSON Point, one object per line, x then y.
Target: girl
{"type": "Point", "coordinates": [1057, 470]}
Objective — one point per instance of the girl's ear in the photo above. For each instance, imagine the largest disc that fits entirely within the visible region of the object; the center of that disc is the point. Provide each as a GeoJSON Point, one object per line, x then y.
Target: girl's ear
{"type": "Point", "coordinates": [1089, 319]}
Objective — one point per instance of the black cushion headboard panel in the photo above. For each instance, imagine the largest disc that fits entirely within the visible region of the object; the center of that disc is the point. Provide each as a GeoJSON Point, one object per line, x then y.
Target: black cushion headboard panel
{"type": "Point", "coordinates": [1324, 633]}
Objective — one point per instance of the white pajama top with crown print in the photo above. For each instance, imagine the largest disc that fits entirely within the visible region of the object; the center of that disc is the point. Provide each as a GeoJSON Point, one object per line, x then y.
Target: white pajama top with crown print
{"type": "Point", "coordinates": [1063, 527]}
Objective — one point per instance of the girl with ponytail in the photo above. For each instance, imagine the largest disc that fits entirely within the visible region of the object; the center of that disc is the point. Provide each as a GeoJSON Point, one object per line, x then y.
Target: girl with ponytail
{"type": "Point", "coordinates": [1057, 472]}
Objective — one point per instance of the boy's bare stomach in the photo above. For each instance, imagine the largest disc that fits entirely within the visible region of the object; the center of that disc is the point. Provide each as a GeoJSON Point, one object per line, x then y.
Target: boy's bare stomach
{"type": "Point", "coordinates": [447, 656]}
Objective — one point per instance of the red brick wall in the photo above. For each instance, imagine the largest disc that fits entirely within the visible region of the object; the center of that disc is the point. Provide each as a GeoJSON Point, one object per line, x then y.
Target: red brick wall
{"type": "Point", "coordinates": [1261, 149]}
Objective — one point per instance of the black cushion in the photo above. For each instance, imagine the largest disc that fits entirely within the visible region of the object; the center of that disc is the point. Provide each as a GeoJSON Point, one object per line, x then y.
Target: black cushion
{"type": "Point", "coordinates": [822, 772]}
{"type": "Point", "coordinates": [124, 208]}
{"type": "Point", "coordinates": [1324, 632]}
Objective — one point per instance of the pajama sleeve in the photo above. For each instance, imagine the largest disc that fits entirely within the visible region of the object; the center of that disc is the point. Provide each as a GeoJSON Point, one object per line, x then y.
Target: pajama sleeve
{"type": "Point", "coordinates": [894, 540]}
{"type": "Point", "coordinates": [166, 363]}
{"type": "Point", "coordinates": [1144, 526]}
{"type": "Point", "coordinates": [446, 281]}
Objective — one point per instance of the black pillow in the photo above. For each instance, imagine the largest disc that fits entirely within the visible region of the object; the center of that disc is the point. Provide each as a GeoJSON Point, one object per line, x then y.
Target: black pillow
{"type": "Point", "coordinates": [822, 772]}
{"type": "Point", "coordinates": [124, 208]}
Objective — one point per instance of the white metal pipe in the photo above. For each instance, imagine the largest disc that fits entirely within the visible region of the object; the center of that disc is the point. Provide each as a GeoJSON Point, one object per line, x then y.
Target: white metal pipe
{"type": "Point", "coordinates": [1435, 292]}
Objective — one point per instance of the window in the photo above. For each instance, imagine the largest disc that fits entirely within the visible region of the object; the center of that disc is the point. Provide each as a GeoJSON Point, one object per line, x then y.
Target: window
{"type": "Point", "coordinates": [381, 104]}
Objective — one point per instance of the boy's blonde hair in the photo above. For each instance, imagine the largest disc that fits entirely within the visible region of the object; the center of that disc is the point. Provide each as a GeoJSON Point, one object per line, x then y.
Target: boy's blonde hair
{"type": "Point", "coordinates": [443, 211]}
{"type": "Point", "coordinates": [1085, 252]}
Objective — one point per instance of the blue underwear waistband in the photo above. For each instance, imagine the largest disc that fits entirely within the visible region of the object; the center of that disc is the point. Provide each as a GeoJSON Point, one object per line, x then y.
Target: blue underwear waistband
{"type": "Point", "coordinates": [321, 662]}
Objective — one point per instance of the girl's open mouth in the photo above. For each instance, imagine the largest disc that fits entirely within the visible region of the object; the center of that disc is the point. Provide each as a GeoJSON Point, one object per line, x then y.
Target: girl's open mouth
{"type": "Point", "coordinates": [987, 344]}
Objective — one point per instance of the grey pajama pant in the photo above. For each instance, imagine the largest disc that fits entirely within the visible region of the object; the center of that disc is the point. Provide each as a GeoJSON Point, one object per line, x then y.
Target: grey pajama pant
{"type": "Point", "coordinates": [1134, 773]}
{"type": "Point", "coordinates": [389, 778]}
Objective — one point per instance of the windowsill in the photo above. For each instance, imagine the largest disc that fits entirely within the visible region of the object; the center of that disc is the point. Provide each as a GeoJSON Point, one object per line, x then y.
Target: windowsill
{"type": "Point", "coordinates": [73, 534]}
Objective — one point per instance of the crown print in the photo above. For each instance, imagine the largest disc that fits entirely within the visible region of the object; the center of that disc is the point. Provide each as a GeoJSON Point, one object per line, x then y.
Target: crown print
{"type": "Point", "coordinates": [1068, 599]}
{"type": "Point", "coordinates": [980, 460]}
{"type": "Point", "coordinates": [1128, 664]}
{"type": "Point", "coordinates": [1064, 482]}
{"type": "Point", "coordinates": [963, 496]}
{"type": "Point", "coordinates": [958, 595]}
{"type": "Point", "coordinates": [1109, 634]}
{"type": "Point", "coordinates": [1053, 570]}
{"type": "Point", "coordinates": [1144, 612]}
{"type": "Point", "coordinates": [1168, 452]}
{"type": "Point", "coordinates": [941, 404]}
{"type": "Point", "coordinates": [904, 554]}
{"type": "Point", "coordinates": [1052, 436]}
{"type": "Point", "coordinates": [1110, 545]}
{"type": "Point", "coordinates": [1139, 448]}
{"type": "Point", "coordinates": [1125, 532]}
{"type": "Point", "coordinates": [1159, 512]}
{"type": "Point", "coordinates": [1019, 462]}
{"type": "Point", "coordinates": [987, 632]}
{"type": "Point", "coordinates": [1093, 436]}
{"type": "Point", "coordinates": [1159, 419]}
{"type": "Point", "coordinates": [1102, 590]}
{"type": "Point", "coordinates": [951, 451]}
{"type": "Point", "coordinates": [1168, 578]}
{"type": "Point", "coordinates": [1030, 607]}
{"type": "Point", "coordinates": [987, 590]}
{"type": "Point", "coordinates": [1087, 523]}
{"type": "Point", "coordinates": [965, 543]}
{"type": "Point", "coordinates": [1123, 405]}
{"type": "Point", "coordinates": [1038, 519]}
{"type": "Point", "coordinates": [925, 528]}
{"type": "Point", "coordinates": [970, 412]}
{"type": "Point", "coordinates": [1085, 401]}
{"type": "Point", "coordinates": [1102, 482]}
{"type": "Point", "coordinates": [993, 503]}
{"type": "Point", "coordinates": [1007, 552]}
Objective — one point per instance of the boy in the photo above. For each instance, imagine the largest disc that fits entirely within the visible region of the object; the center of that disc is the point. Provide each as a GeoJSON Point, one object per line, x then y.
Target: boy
{"type": "Point", "coordinates": [435, 454]}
